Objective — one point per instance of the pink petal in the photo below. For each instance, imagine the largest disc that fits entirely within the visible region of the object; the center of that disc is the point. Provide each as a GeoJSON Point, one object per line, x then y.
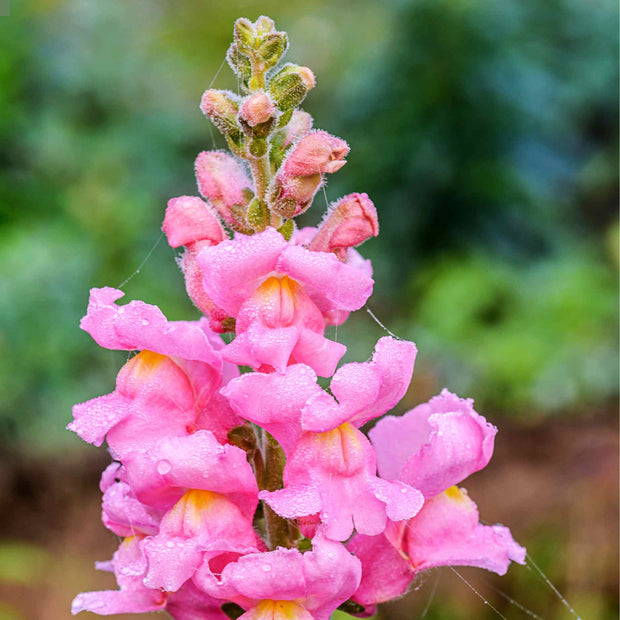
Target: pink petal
{"type": "Point", "coordinates": [274, 401]}
{"type": "Point", "coordinates": [446, 532]}
{"type": "Point", "coordinates": [234, 269]}
{"type": "Point", "coordinates": [110, 602]}
{"type": "Point", "coordinates": [137, 326]}
{"type": "Point", "coordinates": [386, 574]}
{"type": "Point", "coordinates": [330, 283]}
{"type": "Point", "coordinates": [364, 390]}
{"type": "Point", "coordinates": [443, 442]}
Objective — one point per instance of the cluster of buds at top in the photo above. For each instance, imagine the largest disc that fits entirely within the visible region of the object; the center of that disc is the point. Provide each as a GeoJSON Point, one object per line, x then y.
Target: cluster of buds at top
{"type": "Point", "coordinates": [256, 495]}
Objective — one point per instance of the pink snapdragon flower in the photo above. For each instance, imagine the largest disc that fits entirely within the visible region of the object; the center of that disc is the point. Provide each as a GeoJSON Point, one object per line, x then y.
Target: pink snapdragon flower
{"type": "Point", "coordinates": [221, 480]}
{"type": "Point", "coordinates": [433, 447]}
{"type": "Point", "coordinates": [340, 485]}
{"type": "Point", "coordinates": [278, 293]}
{"type": "Point", "coordinates": [285, 583]}
{"type": "Point", "coordinates": [129, 567]}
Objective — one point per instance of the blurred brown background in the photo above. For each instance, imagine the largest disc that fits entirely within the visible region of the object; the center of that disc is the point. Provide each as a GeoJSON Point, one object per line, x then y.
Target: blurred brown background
{"type": "Point", "coordinates": [485, 131]}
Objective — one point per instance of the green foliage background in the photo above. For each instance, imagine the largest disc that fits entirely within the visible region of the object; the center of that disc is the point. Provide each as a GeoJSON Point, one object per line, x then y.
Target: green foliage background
{"type": "Point", "coordinates": [485, 131]}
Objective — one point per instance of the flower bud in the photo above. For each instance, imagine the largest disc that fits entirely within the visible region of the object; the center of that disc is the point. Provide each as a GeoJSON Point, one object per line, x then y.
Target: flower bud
{"type": "Point", "coordinates": [239, 63]}
{"type": "Point", "coordinates": [272, 48]}
{"type": "Point", "coordinates": [290, 85]}
{"type": "Point", "coordinates": [188, 219]}
{"type": "Point", "coordinates": [318, 152]}
{"type": "Point", "coordinates": [244, 34]}
{"type": "Point", "coordinates": [256, 109]}
{"type": "Point", "coordinates": [292, 195]}
{"type": "Point", "coordinates": [348, 223]}
{"type": "Point", "coordinates": [220, 106]}
{"type": "Point", "coordinates": [222, 181]}
{"type": "Point", "coordinates": [264, 25]}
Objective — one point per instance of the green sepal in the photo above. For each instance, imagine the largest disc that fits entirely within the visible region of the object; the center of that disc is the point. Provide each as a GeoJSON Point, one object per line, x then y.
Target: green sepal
{"type": "Point", "coordinates": [287, 229]}
{"type": "Point", "coordinates": [258, 215]}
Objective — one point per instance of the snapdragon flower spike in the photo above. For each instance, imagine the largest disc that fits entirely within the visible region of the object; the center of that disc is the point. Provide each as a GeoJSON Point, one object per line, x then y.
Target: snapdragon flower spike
{"type": "Point", "coordinates": [340, 485]}
{"type": "Point", "coordinates": [285, 584]}
{"type": "Point", "coordinates": [446, 532]}
{"type": "Point", "coordinates": [435, 445]}
{"type": "Point", "coordinates": [278, 293]}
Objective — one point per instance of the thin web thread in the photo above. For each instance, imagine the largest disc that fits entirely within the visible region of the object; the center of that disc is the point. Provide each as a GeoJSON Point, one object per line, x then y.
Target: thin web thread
{"type": "Point", "coordinates": [431, 598]}
{"type": "Point", "coordinates": [137, 271]}
{"type": "Point", "coordinates": [476, 592]}
{"type": "Point", "coordinates": [512, 601]}
{"type": "Point", "coordinates": [531, 564]}
{"type": "Point", "coordinates": [380, 324]}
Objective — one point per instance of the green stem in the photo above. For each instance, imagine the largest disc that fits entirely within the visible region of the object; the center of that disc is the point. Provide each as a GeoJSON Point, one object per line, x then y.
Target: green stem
{"type": "Point", "coordinates": [277, 527]}
{"type": "Point", "coordinates": [261, 174]}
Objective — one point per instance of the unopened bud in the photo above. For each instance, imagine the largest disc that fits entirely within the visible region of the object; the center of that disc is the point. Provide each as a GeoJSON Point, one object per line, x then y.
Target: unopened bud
{"type": "Point", "coordinates": [256, 109]}
{"type": "Point", "coordinates": [318, 152]}
{"type": "Point", "coordinates": [272, 48]}
{"type": "Point", "coordinates": [221, 107]}
{"type": "Point", "coordinates": [348, 223]}
{"type": "Point", "coordinates": [239, 63]}
{"type": "Point", "coordinates": [293, 195]}
{"type": "Point", "coordinates": [264, 25]}
{"type": "Point", "coordinates": [222, 181]}
{"type": "Point", "coordinates": [189, 219]}
{"type": "Point", "coordinates": [290, 86]}
{"type": "Point", "coordinates": [244, 34]}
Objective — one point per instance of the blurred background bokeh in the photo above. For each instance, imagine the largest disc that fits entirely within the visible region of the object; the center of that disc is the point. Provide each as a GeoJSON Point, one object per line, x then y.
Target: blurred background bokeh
{"type": "Point", "coordinates": [485, 131]}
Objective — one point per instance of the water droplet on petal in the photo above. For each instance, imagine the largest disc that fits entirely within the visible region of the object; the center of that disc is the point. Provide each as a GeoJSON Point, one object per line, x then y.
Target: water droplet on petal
{"type": "Point", "coordinates": [266, 568]}
{"type": "Point", "coordinates": [163, 467]}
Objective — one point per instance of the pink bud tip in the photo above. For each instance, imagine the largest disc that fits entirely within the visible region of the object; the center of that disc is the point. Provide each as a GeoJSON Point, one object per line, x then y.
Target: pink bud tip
{"type": "Point", "coordinates": [307, 77]}
{"type": "Point", "coordinates": [316, 153]}
{"type": "Point", "coordinates": [257, 108]}
{"type": "Point", "coordinates": [189, 219]}
{"type": "Point", "coordinates": [350, 222]}
{"type": "Point", "coordinates": [299, 125]}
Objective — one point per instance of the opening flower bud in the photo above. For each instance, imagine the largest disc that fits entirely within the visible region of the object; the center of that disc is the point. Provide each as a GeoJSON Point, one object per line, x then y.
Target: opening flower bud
{"type": "Point", "coordinates": [222, 181]}
{"type": "Point", "coordinates": [189, 219]}
{"type": "Point", "coordinates": [318, 152]}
